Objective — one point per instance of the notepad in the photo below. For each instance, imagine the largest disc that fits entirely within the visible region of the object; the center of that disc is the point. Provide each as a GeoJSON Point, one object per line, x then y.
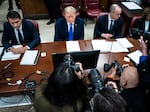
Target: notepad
{"type": "Point", "coordinates": [30, 57]}
{"type": "Point", "coordinates": [72, 46]}
{"type": "Point", "coordinates": [8, 55]}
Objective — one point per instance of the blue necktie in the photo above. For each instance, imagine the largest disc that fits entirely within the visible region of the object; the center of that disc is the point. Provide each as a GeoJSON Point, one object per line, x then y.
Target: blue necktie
{"type": "Point", "coordinates": [71, 32]}
{"type": "Point", "coordinates": [20, 37]}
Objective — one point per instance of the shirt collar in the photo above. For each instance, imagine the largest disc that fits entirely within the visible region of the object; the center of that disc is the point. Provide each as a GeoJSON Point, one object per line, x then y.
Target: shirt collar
{"type": "Point", "coordinates": [109, 18]}
{"type": "Point", "coordinates": [19, 28]}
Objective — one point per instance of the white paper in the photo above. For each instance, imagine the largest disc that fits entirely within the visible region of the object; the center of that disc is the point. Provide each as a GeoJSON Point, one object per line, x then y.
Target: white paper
{"type": "Point", "coordinates": [124, 42]}
{"type": "Point", "coordinates": [101, 45]}
{"type": "Point", "coordinates": [72, 46]}
{"type": "Point", "coordinates": [135, 56]}
{"type": "Point", "coordinates": [9, 55]}
{"type": "Point", "coordinates": [30, 57]}
{"type": "Point", "coordinates": [116, 48]}
{"type": "Point", "coordinates": [107, 46]}
{"type": "Point", "coordinates": [131, 5]}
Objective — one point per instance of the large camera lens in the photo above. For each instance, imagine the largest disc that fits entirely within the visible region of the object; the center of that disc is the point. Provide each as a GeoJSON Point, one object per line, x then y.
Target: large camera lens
{"type": "Point", "coordinates": [95, 79]}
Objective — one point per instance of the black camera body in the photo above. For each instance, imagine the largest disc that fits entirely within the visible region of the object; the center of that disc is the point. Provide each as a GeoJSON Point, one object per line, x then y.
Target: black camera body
{"type": "Point", "coordinates": [69, 60]}
{"type": "Point", "coordinates": [115, 63]}
{"type": "Point", "coordinates": [96, 82]}
{"type": "Point", "coordinates": [136, 33]}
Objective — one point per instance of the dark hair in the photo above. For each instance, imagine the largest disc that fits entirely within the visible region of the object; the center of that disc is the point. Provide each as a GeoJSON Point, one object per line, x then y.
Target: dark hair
{"type": "Point", "coordinates": [107, 100]}
{"type": "Point", "coordinates": [13, 14]}
{"type": "Point", "coordinates": [146, 12]}
{"type": "Point", "coordinates": [64, 87]}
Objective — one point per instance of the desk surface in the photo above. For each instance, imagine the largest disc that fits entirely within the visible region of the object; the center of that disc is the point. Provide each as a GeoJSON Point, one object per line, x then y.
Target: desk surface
{"type": "Point", "coordinates": [45, 63]}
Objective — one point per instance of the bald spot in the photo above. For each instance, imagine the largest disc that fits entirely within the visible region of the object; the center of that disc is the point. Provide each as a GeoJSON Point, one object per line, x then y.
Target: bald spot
{"type": "Point", "coordinates": [130, 76]}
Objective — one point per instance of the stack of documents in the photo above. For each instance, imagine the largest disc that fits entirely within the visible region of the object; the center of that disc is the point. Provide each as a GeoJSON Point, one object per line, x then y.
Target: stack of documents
{"type": "Point", "coordinates": [72, 46]}
{"type": "Point", "coordinates": [30, 57]}
{"type": "Point", "coordinates": [121, 45]}
{"type": "Point", "coordinates": [9, 56]}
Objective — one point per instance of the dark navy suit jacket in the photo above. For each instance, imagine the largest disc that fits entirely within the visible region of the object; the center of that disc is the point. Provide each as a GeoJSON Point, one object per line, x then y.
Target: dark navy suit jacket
{"type": "Point", "coordinates": [140, 24]}
{"type": "Point", "coordinates": [101, 26]}
{"type": "Point", "coordinates": [61, 30]}
{"type": "Point", "coordinates": [31, 36]}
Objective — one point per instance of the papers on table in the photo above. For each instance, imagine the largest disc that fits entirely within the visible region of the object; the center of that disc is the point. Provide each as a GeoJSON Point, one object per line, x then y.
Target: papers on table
{"type": "Point", "coordinates": [131, 5]}
{"type": "Point", "coordinates": [120, 45]}
{"type": "Point", "coordinates": [124, 42]}
{"type": "Point", "coordinates": [135, 56]}
{"type": "Point", "coordinates": [72, 46]}
{"type": "Point", "coordinates": [30, 57]}
{"type": "Point", "coordinates": [9, 55]}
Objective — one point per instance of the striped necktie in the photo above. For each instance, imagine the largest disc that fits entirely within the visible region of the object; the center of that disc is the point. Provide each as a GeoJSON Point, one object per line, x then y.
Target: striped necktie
{"type": "Point", "coordinates": [20, 37]}
{"type": "Point", "coordinates": [111, 26]}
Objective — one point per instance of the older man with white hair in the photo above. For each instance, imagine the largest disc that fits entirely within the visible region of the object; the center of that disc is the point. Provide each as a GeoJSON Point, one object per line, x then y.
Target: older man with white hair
{"type": "Point", "coordinates": [70, 27]}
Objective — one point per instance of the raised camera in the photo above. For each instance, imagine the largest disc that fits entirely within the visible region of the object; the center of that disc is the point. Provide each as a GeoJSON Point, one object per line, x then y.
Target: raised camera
{"type": "Point", "coordinates": [69, 59]}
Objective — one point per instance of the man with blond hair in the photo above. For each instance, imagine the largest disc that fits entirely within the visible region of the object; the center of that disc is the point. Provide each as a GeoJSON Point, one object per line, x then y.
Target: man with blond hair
{"type": "Point", "coordinates": [70, 27]}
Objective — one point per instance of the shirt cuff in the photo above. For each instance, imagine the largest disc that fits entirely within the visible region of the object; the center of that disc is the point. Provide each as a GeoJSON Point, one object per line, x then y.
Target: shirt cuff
{"type": "Point", "coordinates": [143, 58]}
{"type": "Point", "coordinates": [28, 47]}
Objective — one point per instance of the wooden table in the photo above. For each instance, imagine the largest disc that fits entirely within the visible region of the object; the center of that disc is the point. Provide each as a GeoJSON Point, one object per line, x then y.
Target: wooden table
{"type": "Point", "coordinates": [45, 64]}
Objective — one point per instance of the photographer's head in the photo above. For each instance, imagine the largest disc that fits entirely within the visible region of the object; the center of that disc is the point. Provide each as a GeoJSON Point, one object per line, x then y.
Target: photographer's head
{"type": "Point", "coordinates": [64, 86]}
{"type": "Point", "coordinates": [129, 77]}
{"type": "Point", "coordinates": [146, 14]}
{"type": "Point", "coordinates": [107, 100]}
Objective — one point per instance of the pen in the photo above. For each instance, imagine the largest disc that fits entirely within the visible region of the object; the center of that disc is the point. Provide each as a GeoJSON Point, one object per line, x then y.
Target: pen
{"type": "Point", "coordinates": [5, 67]}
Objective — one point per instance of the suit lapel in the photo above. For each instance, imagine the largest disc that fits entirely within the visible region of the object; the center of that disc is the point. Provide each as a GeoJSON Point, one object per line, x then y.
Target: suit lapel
{"type": "Point", "coordinates": [24, 31]}
{"type": "Point", "coordinates": [106, 21]}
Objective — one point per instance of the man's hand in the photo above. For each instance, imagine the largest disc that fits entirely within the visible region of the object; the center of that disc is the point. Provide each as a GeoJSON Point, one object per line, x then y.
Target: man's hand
{"type": "Point", "coordinates": [18, 50]}
{"type": "Point", "coordinates": [113, 85]}
{"type": "Point", "coordinates": [106, 35]}
{"type": "Point", "coordinates": [143, 46]}
{"type": "Point", "coordinates": [80, 73]}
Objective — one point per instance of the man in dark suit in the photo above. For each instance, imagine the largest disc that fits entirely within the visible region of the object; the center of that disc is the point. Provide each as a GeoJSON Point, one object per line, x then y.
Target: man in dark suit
{"type": "Point", "coordinates": [143, 23]}
{"type": "Point", "coordinates": [69, 21]}
{"type": "Point", "coordinates": [109, 26]}
{"type": "Point", "coordinates": [54, 11]}
{"type": "Point", "coordinates": [18, 31]}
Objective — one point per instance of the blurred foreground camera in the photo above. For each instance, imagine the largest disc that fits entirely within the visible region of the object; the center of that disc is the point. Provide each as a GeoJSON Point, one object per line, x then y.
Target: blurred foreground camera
{"type": "Point", "coordinates": [96, 80]}
{"type": "Point", "coordinates": [136, 33]}
{"type": "Point", "coordinates": [69, 60]}
{"type": "Point", "coordinates": [97, 83]}
{"type": "Point", "coordinates": [115, 63]}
